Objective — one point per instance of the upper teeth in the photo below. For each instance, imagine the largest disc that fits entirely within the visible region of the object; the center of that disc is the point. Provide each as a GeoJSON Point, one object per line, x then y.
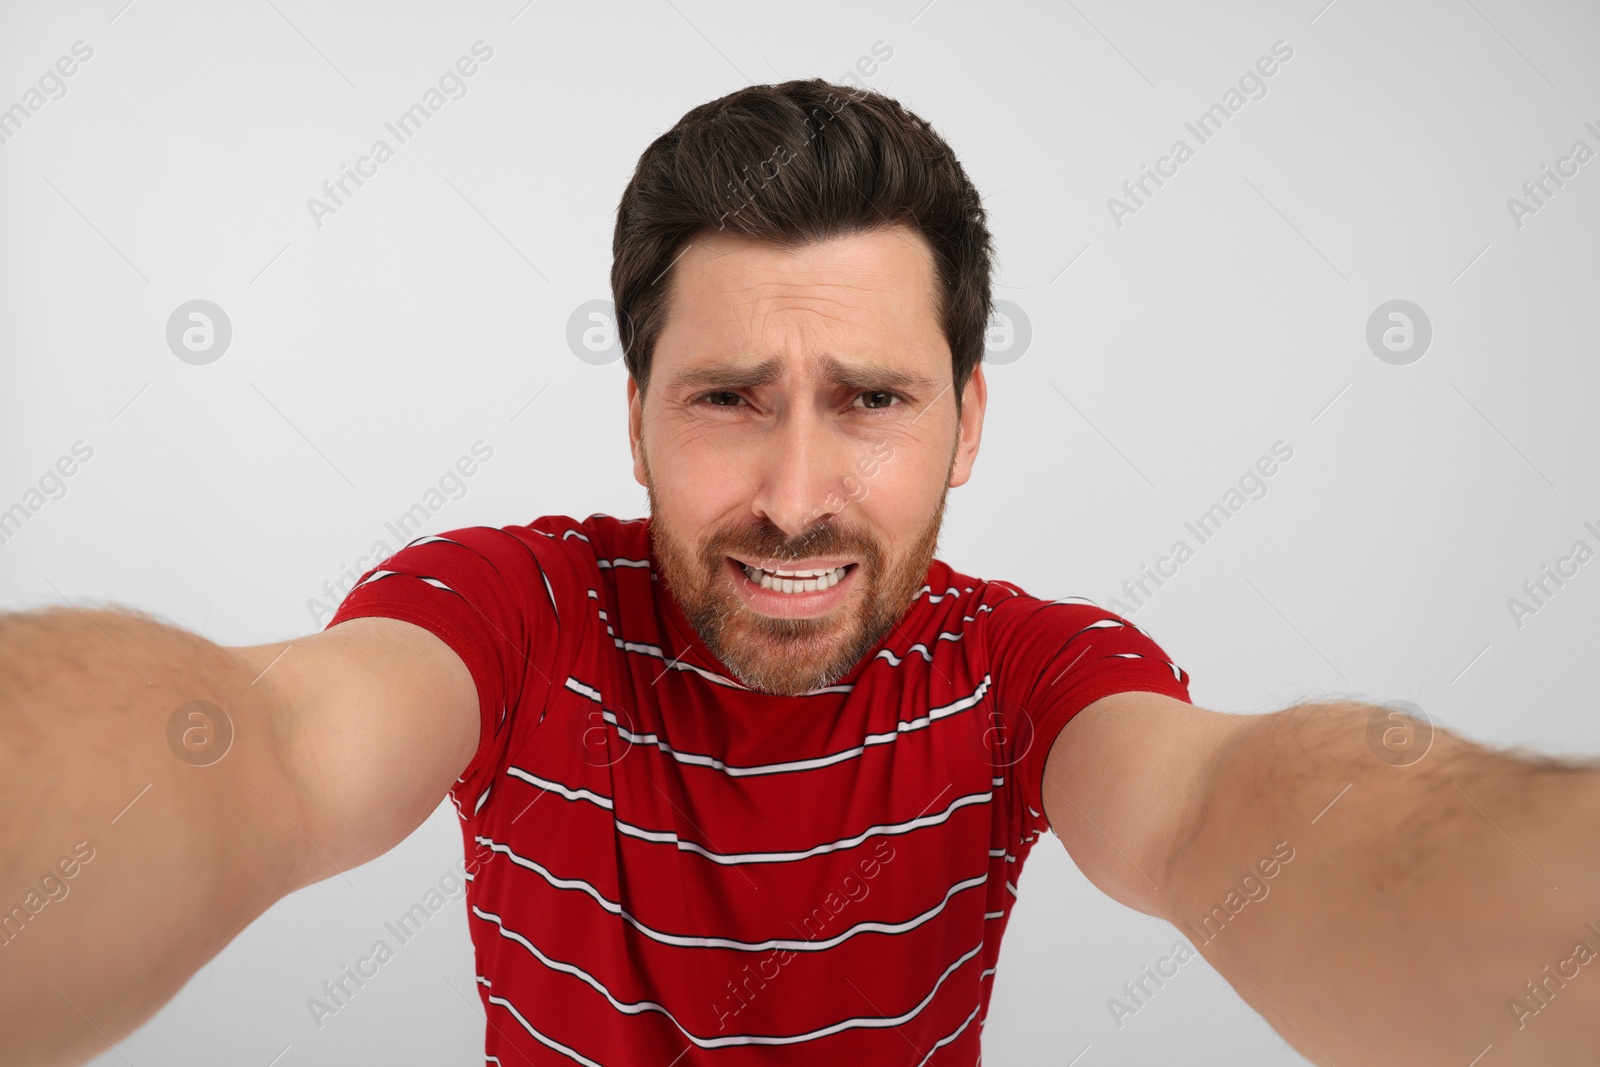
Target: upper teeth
{"type": "Point", "coordinates": [794, 581]}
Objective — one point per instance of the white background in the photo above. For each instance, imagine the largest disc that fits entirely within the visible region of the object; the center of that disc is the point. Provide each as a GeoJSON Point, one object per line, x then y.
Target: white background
{"type": "Point", "coordinates": [1228, 313]}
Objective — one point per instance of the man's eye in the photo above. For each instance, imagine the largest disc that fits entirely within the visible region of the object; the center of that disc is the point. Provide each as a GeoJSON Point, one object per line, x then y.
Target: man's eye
{"type": "Point", "coordinates": [873, 399]}
{"type": "Point", "coordinates": [880, 399]}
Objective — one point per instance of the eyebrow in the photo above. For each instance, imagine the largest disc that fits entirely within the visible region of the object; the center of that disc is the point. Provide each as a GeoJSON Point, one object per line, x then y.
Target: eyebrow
{"type": "Point", "coordinates": [730, 375]}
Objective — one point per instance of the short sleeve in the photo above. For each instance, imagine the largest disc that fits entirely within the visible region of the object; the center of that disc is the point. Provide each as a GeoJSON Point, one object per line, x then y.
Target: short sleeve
{"type": "Point", "coordinates": [505, 601]}
{"type": "Point", "coordinates": [1050, 659]}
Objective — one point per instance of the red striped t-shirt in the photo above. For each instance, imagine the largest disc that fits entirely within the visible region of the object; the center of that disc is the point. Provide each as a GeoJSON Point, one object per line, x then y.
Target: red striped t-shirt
{"type": "Point", "coordinates": [680, 870]}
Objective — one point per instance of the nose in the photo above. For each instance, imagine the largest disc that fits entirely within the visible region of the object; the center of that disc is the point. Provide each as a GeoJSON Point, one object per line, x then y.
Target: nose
{"type": "Point", "coordinates": [800, 469]}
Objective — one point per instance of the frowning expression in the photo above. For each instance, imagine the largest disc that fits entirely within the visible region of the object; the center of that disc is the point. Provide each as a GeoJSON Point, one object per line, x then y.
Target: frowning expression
{"type": "Point", "coordinates": [797, 437]}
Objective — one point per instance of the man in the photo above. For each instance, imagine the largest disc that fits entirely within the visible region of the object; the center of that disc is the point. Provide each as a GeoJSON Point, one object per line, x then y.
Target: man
{"type": "Point", "coordinates": [753, 780]}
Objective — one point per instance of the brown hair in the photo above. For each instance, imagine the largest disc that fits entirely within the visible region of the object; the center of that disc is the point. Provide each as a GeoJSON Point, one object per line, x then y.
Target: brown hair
{"type": "Point", "coordinates": [794, 163]}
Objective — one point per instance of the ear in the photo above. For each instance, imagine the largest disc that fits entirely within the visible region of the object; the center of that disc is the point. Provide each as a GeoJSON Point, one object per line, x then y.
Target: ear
{"type": "Point", "coordinates": [636, 429]}
{"type": "Point", "coordinates": [973, 399]}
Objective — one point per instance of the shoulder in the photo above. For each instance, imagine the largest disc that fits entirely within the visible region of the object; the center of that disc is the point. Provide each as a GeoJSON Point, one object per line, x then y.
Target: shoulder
{"type": "Point", "coordinates": [598, 537]}
{"type": "Point", "coordinates": [1063, 617]}
{"type": "Point", "coordinates": [952, 595]}
{"type": "Point", "coordinates": [583, 547]}
{"type": "Point", "coordinates": [592, 564]}
{"type": "Point", "coordinates": [549, 562]}
{"type": "Point", "coordinates": [1003, 607]}
{"type": "Point", "coordinates": [1033, 638]}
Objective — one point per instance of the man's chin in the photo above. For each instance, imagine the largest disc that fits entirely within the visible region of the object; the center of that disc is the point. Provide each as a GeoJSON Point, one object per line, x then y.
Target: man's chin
{"type": "Point", "coordinates": [780, 657]}
{"type": "Point", "coordinates": [774, 680]}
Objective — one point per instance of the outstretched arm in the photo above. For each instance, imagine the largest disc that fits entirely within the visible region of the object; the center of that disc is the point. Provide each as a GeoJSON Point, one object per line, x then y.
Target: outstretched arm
{"type": "Point", "coordinates": [1375, 909]}
{"type": "Point", "coordinates": [126, 863]}
{"type": "Point", "coordinates": [140, 832]}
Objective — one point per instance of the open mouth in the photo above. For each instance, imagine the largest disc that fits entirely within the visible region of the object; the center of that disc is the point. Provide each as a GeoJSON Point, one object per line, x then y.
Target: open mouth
{"type": "Point", "coordinates": [793, 591]}
{"type": "Point", "coordinates": [781, 580]}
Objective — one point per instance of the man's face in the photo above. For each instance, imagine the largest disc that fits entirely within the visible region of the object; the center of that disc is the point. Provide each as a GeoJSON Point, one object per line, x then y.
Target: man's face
{"type": "Point", "coordinates": [800, 418]}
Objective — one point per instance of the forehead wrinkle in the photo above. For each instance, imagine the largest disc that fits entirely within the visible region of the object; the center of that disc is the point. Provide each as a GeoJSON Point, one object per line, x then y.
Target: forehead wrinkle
{"type": "Point", "coordinates": [770, 299]}
{"type": "Point", "coordinates": [796, 324]}
{"type": "Point", "coordinates": [789, 308]}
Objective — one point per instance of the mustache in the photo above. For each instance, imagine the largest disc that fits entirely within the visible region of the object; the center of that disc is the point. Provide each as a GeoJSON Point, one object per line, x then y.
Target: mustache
{"type": "Point", "coordinates": [769, 544]}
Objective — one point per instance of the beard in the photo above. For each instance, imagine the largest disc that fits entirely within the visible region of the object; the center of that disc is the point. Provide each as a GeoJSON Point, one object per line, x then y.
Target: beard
{"type": "Point", "coordinates": [790, 657]}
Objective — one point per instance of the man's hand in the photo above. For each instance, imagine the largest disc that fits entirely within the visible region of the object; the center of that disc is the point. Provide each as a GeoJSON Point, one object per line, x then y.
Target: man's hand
{"type": "Point", "coordinates": [1375, 910]}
